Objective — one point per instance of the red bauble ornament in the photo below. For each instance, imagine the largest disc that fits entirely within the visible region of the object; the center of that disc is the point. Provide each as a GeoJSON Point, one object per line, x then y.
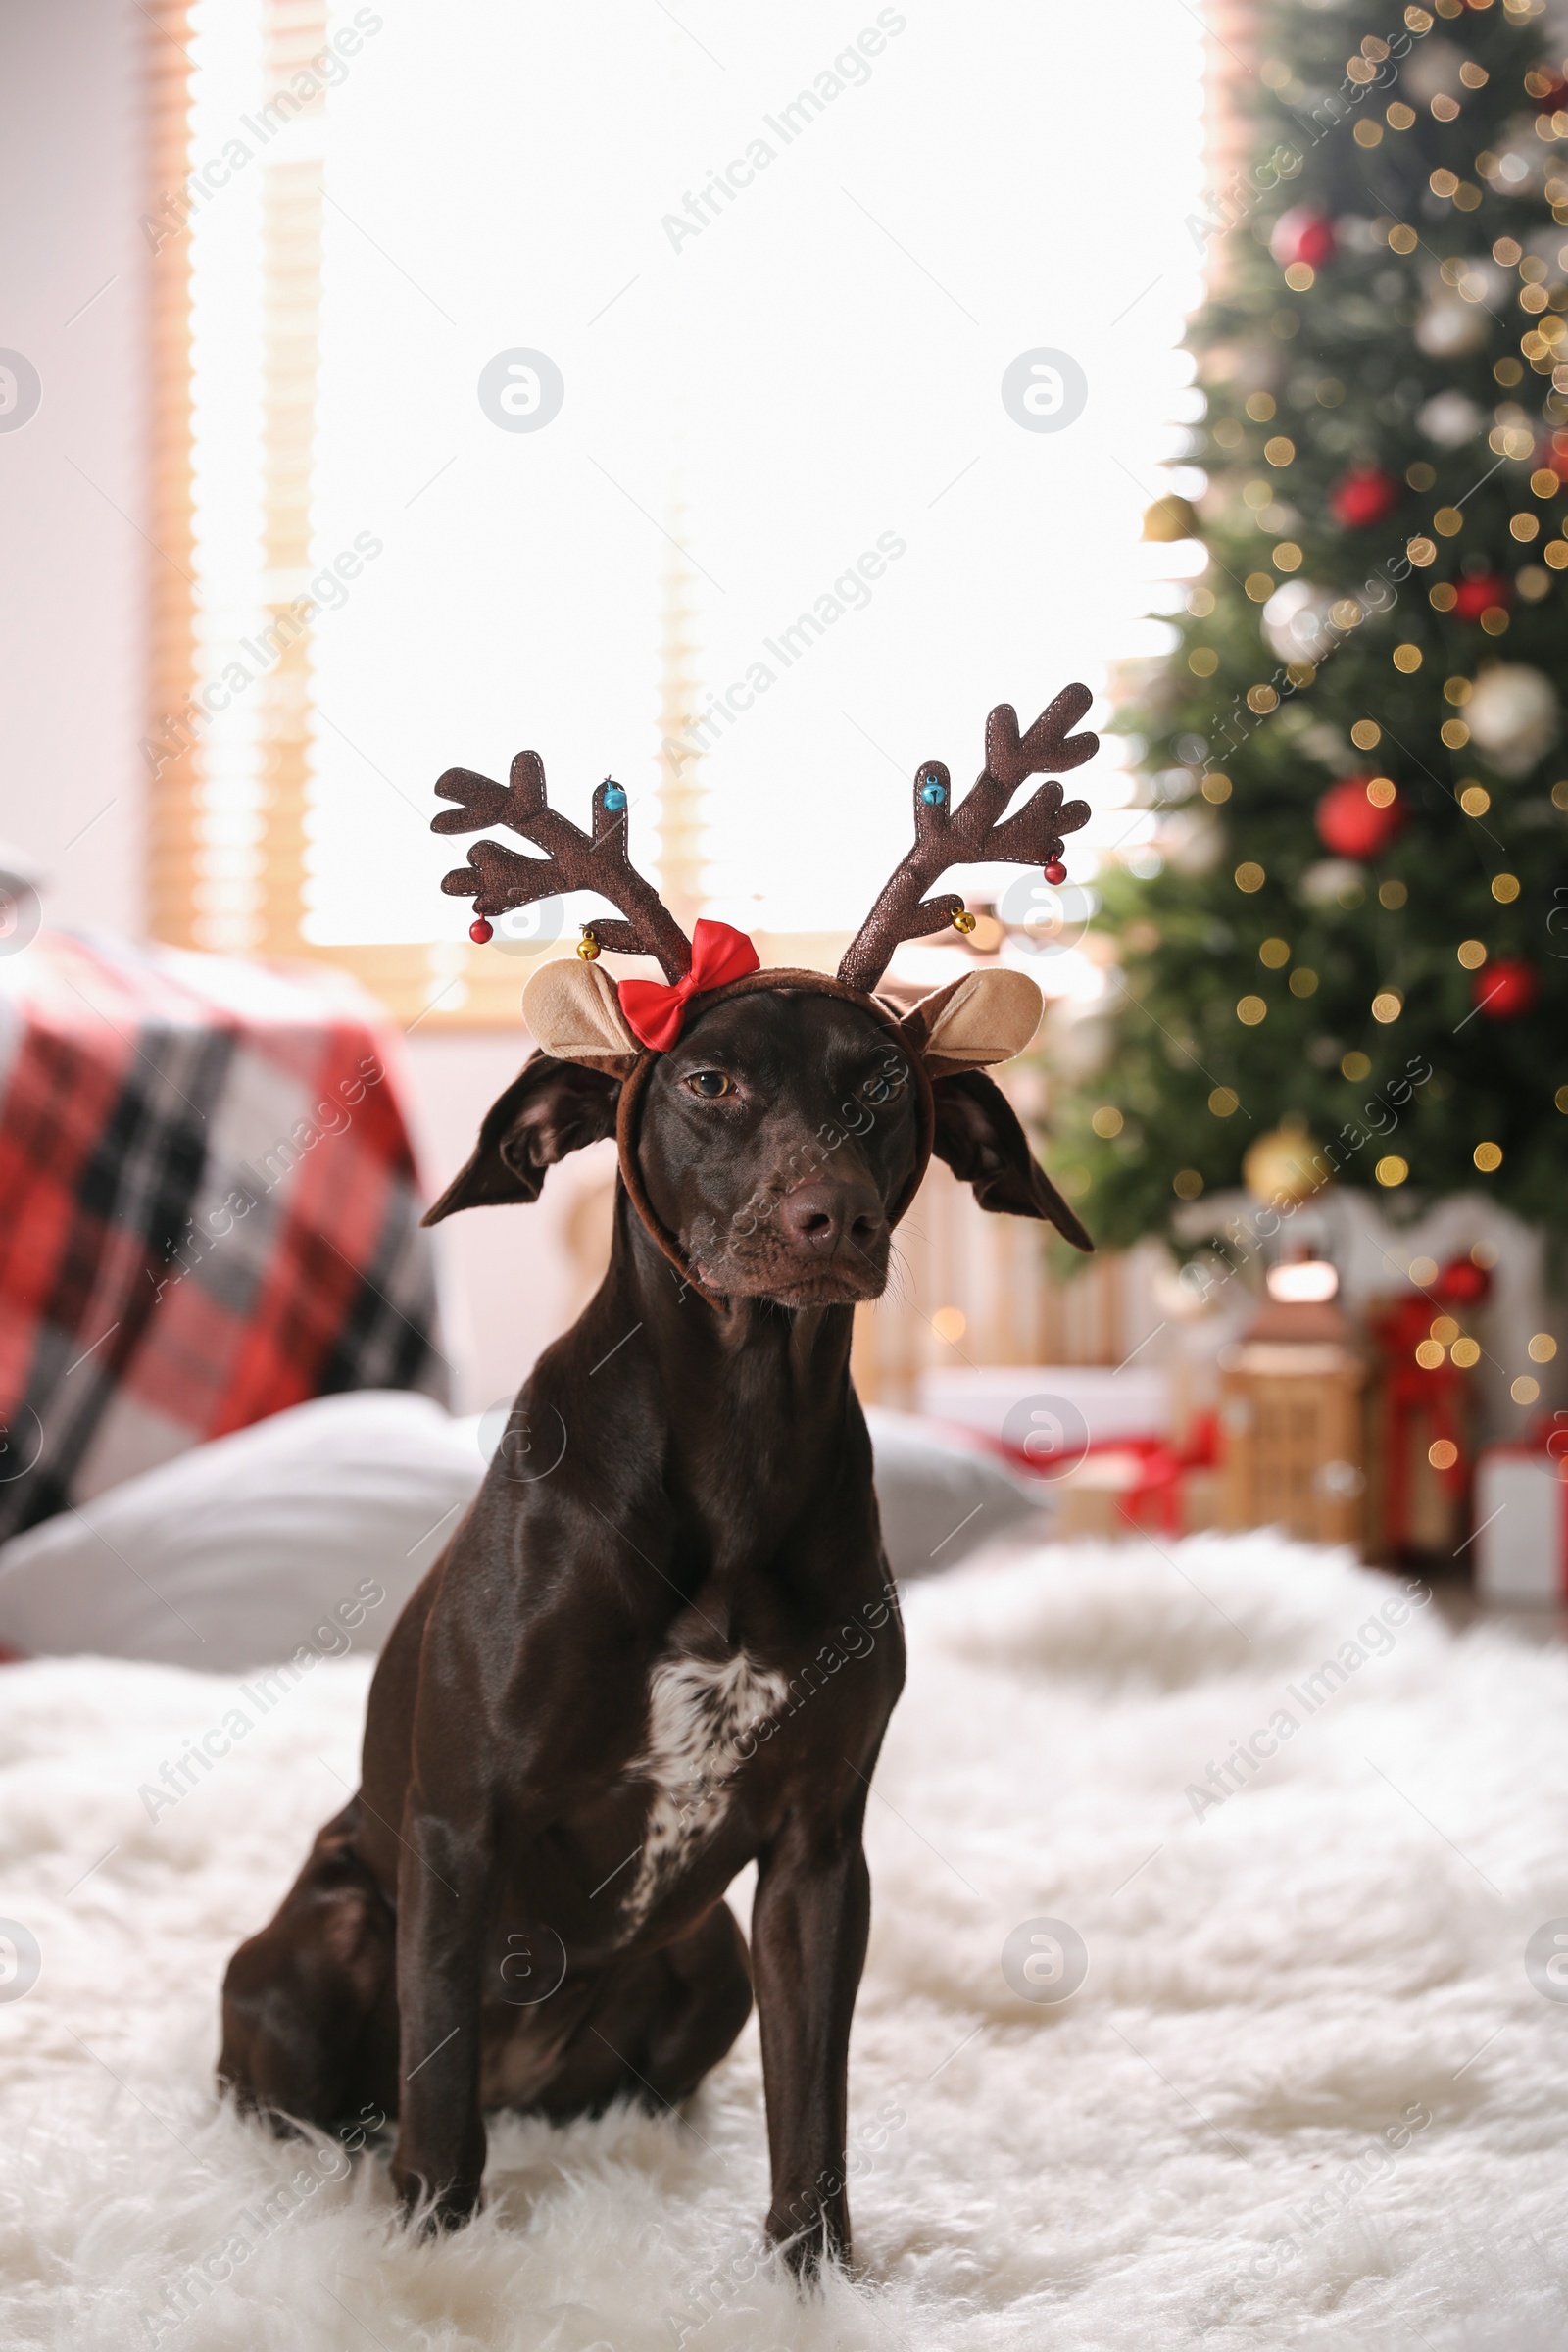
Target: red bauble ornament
{"type": "Point", "coordinates": [1362, 497]}
{"type": "Point", "coordinates": [1503, 990]}
{"type": "Point", "coordinates": [1352, 825]}
{"type": "Point", "coordinates": [1301, 235]}
{"type": "Point", "coordinates": [1056, 871]}
{"type": "Point", "coordinates": [479, 932]}
{"type": "Point", "coordinates": [1472, 598]}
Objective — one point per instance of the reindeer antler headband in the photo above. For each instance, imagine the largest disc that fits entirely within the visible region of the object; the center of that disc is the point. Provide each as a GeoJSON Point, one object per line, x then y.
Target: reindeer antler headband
{"type": "Point", "coordinates": [577, 1015]}
{"type": "Point", "coordinates": [976, 832]}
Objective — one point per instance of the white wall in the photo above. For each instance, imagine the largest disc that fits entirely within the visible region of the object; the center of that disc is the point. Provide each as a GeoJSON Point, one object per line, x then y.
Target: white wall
{"type": "Point", "coordinates": [71, 480]}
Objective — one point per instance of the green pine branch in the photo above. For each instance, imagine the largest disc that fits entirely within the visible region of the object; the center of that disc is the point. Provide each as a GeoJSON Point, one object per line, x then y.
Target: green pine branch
{"type": "Point", "coordinates": [1265, 981]}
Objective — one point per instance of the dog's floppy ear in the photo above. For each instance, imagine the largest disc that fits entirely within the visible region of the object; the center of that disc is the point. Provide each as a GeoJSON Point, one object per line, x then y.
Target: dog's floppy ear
{"type": "Point", "coordinates": [573, 1010]}
{"type": "Point", "coordinates": [983, 1017]}
{"type": "Point", "coordinates": [550, 1109]}
{"type": "Point", "coordinates": [979, 1137]}
{"type": "Point", "coordinates": [960, 1031]}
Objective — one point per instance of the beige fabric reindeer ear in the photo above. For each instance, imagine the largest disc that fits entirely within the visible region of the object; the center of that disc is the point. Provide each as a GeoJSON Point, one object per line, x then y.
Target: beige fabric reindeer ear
{"type": "Point", "coordinates": [574, 1013]}
{"type": "Point", "coordinates": [986, 1017]}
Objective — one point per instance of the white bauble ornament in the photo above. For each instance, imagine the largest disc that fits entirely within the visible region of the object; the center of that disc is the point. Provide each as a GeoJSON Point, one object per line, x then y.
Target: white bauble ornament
{"type": "Point", "coordinates": [1450, 419]}
{"type": "Point", "coordinates": [1476, 280]}
{"type": "Point", "coordinates": [1450, 329]}
{"type": "Point", "coordinates": [1432, 70]}
{"type": "Point", "coordinates": [1512, 717]}
{"type": "Point", "coordinates": [1296, 622]}
{"type": "Point", "coordinates": [1191, 841]}
{"type": "Point", "coordinates": [1325, 744]}
{"type": "Point", "coordinates": [1322, 884]}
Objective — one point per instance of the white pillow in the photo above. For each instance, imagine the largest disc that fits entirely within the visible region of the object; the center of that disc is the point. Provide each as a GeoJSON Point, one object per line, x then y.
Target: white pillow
{"type": "Point", "coordinates": [940, 1494]}
{"type": "Point", "coordinates": [244, 1550]}
{"type": "Point", "coordinates": [310, 1529]}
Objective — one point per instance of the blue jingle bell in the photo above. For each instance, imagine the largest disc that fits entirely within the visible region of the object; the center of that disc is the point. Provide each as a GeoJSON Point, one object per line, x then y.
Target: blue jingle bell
{"type": "Point", "coordinates": [933, 792]}
{"type": "Point", "coordinates": [615, 797]}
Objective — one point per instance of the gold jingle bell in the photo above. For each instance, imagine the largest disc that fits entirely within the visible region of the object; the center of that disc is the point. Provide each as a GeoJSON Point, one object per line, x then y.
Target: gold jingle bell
{"type": "Point", "coordinates": [963, 920]}
{"type": "Point", "coordinates": [587, 947]}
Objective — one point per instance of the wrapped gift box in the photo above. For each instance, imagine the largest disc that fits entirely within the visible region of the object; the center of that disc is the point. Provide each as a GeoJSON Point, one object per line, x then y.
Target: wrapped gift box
{"type": "Point", "coordinates": [1098, 1439]}
{"type": "Point", "coordinates": [1521, 1541]}
{"type": "Point", "coordinates": [1119, 1491]}
{"type": "Point", "coordinates": [1099, 1405]}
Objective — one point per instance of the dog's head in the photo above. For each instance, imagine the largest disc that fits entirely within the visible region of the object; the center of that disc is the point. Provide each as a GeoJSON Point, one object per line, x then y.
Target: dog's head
{"type": "Point", "coordinates": [773, 1146]}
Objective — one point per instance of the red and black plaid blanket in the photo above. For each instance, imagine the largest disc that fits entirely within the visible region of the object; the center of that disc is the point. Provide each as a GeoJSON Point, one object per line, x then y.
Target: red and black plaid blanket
{"type": "Point", "coordinates": [209, 1209]}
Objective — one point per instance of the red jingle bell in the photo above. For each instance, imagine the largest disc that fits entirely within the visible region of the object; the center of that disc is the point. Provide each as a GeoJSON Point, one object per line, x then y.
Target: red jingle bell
{"type": "Point", "coordinates": [1056, 871]}
{"type": "Point", "coordinates": [480, 931]}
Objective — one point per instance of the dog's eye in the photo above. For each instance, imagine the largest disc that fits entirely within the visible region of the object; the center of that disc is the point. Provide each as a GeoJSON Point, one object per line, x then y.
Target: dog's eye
{"type": "Point", "coordinates": [710, 1084]}
{"type": "Point", "coordinates": [887, 1081]}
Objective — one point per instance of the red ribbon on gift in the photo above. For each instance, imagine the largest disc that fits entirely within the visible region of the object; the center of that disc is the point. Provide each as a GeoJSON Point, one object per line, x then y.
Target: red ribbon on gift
{"type": "Point", "coordinates": [1157, 1493]}
{"type": "Point", "coordinates": [655, 1013]}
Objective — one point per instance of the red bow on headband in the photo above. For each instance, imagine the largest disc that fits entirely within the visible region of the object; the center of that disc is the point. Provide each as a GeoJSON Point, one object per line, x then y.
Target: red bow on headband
{"type": "Point", "coordinates": [655, 1013]}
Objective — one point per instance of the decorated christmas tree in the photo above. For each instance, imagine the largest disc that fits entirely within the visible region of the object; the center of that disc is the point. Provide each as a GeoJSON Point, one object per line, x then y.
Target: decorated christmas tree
{"type": "Point", "coordinates": [1353, 952]}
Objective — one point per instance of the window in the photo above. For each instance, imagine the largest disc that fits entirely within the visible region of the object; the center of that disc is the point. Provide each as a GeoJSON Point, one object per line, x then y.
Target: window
{"type": "Point", "coordinates": [779, 270]}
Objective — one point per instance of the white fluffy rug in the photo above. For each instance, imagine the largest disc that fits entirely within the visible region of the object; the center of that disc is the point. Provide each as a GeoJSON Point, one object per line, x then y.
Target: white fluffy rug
{"type": "Point", "coordinates": [1306, 2096]}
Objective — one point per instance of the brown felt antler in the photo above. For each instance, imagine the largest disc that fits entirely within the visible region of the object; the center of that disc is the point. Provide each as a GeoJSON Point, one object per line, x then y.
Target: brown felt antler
{"type": "Point", "coordinates": [497, 878]}
{"type": "Point", "coordinates": [973, 834]}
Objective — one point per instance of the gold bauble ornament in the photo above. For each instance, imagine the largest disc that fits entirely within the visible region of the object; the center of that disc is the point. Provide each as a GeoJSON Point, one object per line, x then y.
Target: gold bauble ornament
{"type": "Point", "coordinates": [1170, 518]}
{"type": "Point", "coordinates": [1285, 1164]}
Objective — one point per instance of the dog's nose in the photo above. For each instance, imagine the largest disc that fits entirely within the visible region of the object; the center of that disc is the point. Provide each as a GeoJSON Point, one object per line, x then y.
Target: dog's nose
{"type": "Point", "coordinates": [825, 1219]}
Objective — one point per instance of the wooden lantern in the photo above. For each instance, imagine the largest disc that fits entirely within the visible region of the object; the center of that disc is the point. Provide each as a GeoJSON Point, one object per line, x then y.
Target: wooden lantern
{"type": "Point", "coordinates": [1292, 1447]}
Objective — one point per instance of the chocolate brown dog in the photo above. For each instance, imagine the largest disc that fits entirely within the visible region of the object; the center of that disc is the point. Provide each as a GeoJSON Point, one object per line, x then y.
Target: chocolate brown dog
{"type": "Point", "coordinates": [664, 1642]}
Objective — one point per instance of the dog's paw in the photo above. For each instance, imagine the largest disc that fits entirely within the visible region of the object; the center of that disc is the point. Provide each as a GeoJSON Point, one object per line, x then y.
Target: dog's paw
{"type": "Point", "coordinates": [808, 2246]}
{"type": "Point", "coordinates": [429, 2215]}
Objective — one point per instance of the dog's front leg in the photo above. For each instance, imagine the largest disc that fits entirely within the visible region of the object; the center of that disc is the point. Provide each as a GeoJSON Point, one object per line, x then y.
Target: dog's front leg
{"type": "Point", "coordinates": [443, 1889]}
{"type": "Point", "coordinates": [808, 1931]}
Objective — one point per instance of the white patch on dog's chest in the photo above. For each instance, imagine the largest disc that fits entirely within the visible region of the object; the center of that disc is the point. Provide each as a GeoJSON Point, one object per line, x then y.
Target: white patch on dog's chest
{"type": "Point", "coordinates": [699, 1715]}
